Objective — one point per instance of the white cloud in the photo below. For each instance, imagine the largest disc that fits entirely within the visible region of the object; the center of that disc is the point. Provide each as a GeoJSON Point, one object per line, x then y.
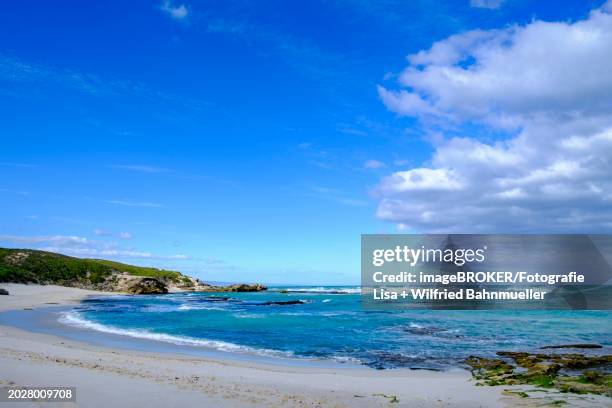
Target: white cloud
{"type": "Point", "coordinates": [139, 168]}
{"type": "Point", "coordinates": [84, 247]}
{"type": "Point", "coordinates": [125, 235]}
{"type": "Point", "coordinates": [59, 240]}
{"type": "Point", "coordinates": [421, 179]}
{"type": "Point", "coordinates": [373, 164]}
{"type": "Point", "coordinates": [130, 203]}
{"type": "Point", "coordinates": [179, 12]}
{"type": "Point", "coordinates": [548, 85]}
{"type": "Point", "coordinates": [490, 4]}
{"type": "Point", "coordinates": [511, 76]}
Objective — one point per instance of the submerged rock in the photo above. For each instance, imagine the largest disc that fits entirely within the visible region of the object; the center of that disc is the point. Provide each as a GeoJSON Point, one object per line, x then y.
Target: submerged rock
{"type": "Point", "coordinates": [545, 370]}
{"type": "Point", "coordinates": [424, 331]}
{"type": "Point", "coordinates": [216, 299]}
{"type": "Point", "coordinates": [286, 302]}
{"type": "Point", "coordinates": [3, 291]}
{"type": "Point", "coordinates": [580, 346]}
{"type": "Point", "coordinates": [242, 287]}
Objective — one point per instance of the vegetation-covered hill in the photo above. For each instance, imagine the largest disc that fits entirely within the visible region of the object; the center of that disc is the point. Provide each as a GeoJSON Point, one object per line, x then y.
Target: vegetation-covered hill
{"type": "Point", "coordinates": [32, 266]}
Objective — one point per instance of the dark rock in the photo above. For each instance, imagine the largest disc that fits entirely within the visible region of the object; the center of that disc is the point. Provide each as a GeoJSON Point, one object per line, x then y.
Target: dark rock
{"type": "Point", "coordinates": [216, 299]}
{"type": "Point", "coordinates": [580, 346]}
{"type": "Point", "coordinates": [246, 288]}
{"type": "Point", "coordinates": [424, 331]}
{"type": "Point", "coordinates": [381, 360]}
{"type": "Point", "coordinates": [3, 291]}
{"type": "Point", "coordinates": [287, 302]}
{"type": "Point", "coordinates": [545, 370]}
{"type": "Point", "coordinates": [146, 286]}
{"type": "Point", "coordinates": [242, 287]}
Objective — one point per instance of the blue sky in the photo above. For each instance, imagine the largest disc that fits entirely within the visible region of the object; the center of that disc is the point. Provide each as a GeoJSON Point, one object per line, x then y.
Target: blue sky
{"type": "Point", "coordinates": [257, 140]}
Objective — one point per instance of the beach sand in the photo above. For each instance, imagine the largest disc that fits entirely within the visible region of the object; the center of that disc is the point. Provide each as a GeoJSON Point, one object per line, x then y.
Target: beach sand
{"type": "Point", "coordinates": [106, 377]}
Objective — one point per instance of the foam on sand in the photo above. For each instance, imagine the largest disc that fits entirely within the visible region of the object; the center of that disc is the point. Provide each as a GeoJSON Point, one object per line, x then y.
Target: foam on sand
{"type": "Point", "coordinates": [76, 320]}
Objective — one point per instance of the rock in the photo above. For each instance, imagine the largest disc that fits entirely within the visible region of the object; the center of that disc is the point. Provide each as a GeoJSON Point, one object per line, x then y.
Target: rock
{"type": "Point", "coordinates": [246, 288]}
{"type": "Point", "coordinates": [424, 331]}
{"type": "Point", "coordinates": [590, 382]}
{"type": "Point", "coordinates": [140, 285]}
{"type": "Point", "coordinates": [242, 287]}
{"type": "Point", "coordinates": [146, 286]}
{"type": "Point", "coordinates": [521, 394]}
{"type": "Point", "coordinates": [3, 291]}
{"type": "Point", "coordinates": [581, 346]}
{"type": "Point", "coordinates": [16, 258]}
{"type": "Point", "coordinates": [216, 299]}
{"type": "Point", "coordinates": [184, 284]}
{"type": "Point", "coordinates": [287, 302]}
{"type": "Point", "coordinates": [545, 370]}
{"type": "Point", "coordinates": [491, 371]}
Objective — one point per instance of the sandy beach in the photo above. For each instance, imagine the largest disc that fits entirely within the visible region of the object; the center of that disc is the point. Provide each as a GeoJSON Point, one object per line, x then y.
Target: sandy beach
{"type": "Point", "coordinates": [126, 378]}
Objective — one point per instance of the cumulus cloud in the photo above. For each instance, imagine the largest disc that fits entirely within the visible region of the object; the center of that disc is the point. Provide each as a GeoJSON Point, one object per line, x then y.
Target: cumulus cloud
{"type": "Point", "coordinates": [81, 246]}
{"type": "Point", "coordinates": [178, 12]}
{"type": "Point", "coordinates": [547, 85]}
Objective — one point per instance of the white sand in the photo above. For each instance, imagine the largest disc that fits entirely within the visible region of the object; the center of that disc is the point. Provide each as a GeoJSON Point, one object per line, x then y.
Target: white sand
{"type": "Point", "coordinates": [32, 296]}
{"type": "Point", "coordinates": [107, 377]}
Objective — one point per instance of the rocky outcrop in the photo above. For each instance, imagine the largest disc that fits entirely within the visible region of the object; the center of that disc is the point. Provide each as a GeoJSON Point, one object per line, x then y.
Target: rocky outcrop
{"type": "Point", "coordinates": [576, 346]}
{"type": "Point", "coordinates": [124, 282]}
{"type": "Point", "coordinates": [3, 291]}
{"type": "Point", "coordinates": [242, 287]}
{"type": "Point", "coordinates": [577, 373]}
{"type": "Point", "coordinates": [147, 286]}
{"type": "Point", "coordinates": [137, 285]}
{"type": "Point", "coordinates": [282, 303]}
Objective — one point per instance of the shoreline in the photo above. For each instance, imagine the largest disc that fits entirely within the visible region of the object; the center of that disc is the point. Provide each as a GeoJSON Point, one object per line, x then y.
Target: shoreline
{"type": "Point", "coordinates": [109, 373]}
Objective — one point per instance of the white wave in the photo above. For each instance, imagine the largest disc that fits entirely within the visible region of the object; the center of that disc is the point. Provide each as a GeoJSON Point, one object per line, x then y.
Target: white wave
{"type": "Point", "coordinates": [346, 359]}
{"type": "Point", "coordinates": [75, 320]}
{"type": "Point", "coordinates": [323, 289]}
{"type": "Point", "coordinates": [159, 309]}
{"type": "Point", "coordinates": [326, 300]}
{"type": "Point", "coordinates": [296, 314]}
{"type": "Point", "coordinates": [198, 307]}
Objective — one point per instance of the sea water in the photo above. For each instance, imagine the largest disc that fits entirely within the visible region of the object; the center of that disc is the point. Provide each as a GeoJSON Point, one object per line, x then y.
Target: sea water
{"type": "Point", "coordinates": [328, 323]}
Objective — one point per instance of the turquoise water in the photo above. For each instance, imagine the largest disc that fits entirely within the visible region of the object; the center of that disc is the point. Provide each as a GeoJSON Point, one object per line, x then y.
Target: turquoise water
{"type": "Point", "coordinates": [329, 323]}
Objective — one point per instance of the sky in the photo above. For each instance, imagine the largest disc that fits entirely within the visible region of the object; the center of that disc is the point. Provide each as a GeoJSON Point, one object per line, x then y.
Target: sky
{"type": "Point", "coordinates": [257, 140]}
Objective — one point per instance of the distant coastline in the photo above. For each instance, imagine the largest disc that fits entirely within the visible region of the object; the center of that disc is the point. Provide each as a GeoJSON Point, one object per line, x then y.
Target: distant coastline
{"type": "Point", "coordinates": [43, 267]}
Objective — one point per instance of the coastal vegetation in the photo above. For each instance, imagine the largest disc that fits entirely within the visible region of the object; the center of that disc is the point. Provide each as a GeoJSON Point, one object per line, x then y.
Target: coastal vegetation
{"type": "Point", "coordinates": [33, 266]}
{"type": "Point", "coordinates": [42, 267]}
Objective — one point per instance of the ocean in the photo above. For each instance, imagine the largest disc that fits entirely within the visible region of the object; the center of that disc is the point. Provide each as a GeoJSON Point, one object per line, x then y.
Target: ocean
{"type": "Point", "coordinates": [329, 324]}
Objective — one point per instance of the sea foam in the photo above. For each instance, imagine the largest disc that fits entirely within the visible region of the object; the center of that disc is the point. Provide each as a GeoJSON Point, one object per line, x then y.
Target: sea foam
{"type": "Point", "coordinates": [74, 319]}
